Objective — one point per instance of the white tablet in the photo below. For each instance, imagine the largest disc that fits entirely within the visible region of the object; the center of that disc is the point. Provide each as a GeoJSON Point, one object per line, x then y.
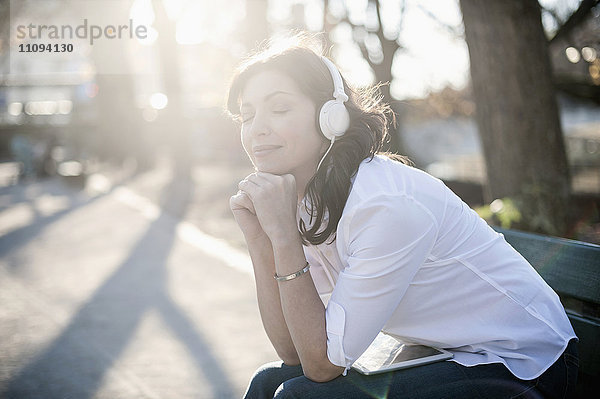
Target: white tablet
{"type": "Point", "coordinates": [387, 354]}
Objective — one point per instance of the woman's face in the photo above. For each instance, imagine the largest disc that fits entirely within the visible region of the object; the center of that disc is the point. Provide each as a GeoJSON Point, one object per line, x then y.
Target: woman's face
{"type": "Point", "coordinates": [278, 126]}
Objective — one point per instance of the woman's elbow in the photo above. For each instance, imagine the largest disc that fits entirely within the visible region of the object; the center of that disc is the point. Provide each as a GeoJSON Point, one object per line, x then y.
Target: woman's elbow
{"type": "Point", "coordinates": [322, 373]}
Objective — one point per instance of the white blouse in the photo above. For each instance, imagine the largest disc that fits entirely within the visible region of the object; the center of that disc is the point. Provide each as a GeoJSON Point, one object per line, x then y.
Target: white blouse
{"type": "Point", "coordinates": [411, 259]}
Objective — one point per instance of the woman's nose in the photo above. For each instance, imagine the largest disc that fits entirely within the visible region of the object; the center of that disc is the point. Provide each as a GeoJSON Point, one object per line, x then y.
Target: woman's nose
{"type": "Point", "coordinates": [259, 126]}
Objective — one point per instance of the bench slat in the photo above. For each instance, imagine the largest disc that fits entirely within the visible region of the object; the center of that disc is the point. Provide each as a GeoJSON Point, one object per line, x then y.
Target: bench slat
{"type": "Point", "coordinates": [569, 267]}
{"type": "Point", "coordinates": [572, 269]}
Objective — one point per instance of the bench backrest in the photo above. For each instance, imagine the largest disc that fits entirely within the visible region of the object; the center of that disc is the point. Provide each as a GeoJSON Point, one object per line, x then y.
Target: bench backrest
{"type": "Point", "coordinates": [572, 269]}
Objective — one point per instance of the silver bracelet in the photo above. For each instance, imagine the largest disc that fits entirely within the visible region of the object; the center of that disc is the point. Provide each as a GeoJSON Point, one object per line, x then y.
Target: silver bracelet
{"type": "Point", "coordinates": [293, 275]}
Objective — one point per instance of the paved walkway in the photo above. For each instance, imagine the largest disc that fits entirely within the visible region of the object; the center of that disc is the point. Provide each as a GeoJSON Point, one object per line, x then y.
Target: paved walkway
{"type": "Point", "coordinates": [108, 296]}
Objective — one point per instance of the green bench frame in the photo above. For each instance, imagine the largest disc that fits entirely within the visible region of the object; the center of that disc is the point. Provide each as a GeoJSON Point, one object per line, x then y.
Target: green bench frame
{"type": "Point", "coordinates": [572, 269]}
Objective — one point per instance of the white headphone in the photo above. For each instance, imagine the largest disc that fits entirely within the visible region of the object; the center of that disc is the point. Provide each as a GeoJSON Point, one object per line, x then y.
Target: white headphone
{"type": "Point", "coordinates": [334, 118]}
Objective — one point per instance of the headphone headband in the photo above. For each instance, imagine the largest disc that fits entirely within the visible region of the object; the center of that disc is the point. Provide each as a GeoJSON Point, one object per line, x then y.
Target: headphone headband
{"type": "Point", "coordinates": [338, 84]}
{"type": "Point", "coordinates": [334, 118]}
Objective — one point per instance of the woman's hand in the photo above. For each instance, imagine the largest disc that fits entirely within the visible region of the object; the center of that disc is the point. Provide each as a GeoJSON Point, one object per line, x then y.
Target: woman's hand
{"type": "Point", "coordinates": [243, 211]}
{"type": "Point", "coordinates": [274, 202]}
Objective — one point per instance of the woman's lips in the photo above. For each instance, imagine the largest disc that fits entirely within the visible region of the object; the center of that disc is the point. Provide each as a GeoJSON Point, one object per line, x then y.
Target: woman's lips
{"type": "Point", "coordinates": [263, 150]}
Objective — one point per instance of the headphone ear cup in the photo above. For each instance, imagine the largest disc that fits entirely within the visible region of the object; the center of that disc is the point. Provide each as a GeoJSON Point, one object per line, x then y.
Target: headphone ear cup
{"type": "Point", "coordinates": [334, 119]}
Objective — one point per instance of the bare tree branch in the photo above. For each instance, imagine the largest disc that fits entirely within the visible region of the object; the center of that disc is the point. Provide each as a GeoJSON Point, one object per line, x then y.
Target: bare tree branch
{"type": "Point", "coordinates": [380, 28]}
{"type": "Point", "coordinates": [585, 7]}
{"type": "Point", "coordinates": [361, 45]}
{"type": "Point", "coordinates": [452, 30]}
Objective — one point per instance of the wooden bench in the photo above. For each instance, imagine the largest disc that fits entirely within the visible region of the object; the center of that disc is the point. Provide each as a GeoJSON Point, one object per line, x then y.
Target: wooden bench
{"type": "Point", "coordinates": [572, 269]}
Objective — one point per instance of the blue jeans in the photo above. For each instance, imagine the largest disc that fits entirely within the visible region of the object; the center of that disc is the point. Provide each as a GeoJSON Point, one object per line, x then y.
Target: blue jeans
{"type": "Point", "coordinates": [446, 379]}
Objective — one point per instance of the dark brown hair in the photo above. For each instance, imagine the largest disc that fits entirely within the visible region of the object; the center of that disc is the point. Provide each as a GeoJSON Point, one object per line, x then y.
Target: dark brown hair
{"type": "Point", "coordinates": [299, 58]}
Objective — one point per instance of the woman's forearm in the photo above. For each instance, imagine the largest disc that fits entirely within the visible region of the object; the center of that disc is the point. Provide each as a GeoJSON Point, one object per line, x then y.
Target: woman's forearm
{"type": "Point", "coordinates": [303, 311]}
{"type": "Point", "coordinates": [269, 303]}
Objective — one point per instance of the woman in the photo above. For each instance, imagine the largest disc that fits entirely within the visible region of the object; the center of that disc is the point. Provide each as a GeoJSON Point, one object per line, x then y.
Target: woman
{"type": "Point", "coordinates": [347, 241]}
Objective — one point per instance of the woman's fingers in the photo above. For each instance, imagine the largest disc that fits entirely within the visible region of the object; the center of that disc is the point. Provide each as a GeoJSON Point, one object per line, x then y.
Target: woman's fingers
{"type": "Point", "coordinates": [267, 189]}
{"type": "Point", "coordinates": [273, 199]}
{"type": "Point", "coordinates": [241, 200]}
{"type": "Point", "coordinates": [245, 183]}
{"type": "Point", "coordinates": [259, 178]}
{"type": "Point", "coordinates": [254, 184]}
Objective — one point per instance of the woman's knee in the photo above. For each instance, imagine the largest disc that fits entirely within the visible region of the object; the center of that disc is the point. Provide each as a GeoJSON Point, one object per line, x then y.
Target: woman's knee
{"type": "Point", "coordinates": [268, 377]}
{"type": "Point", "coordinates": [299, 387]}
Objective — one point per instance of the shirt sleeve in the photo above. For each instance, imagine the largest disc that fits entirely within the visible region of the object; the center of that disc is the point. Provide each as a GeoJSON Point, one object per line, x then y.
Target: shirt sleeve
{"type": "Point", "coordinates": [387, 239]}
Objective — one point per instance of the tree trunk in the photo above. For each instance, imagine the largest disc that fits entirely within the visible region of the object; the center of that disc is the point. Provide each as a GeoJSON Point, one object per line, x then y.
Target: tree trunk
{"type": "Point", "coordinates": [517, 113]}
{"type": "Point", "coordinates": [117, 132]}
{"type": "Point", "coordinates": [255, 27]}
{"type": "Point", "coordinates": [171, 120]}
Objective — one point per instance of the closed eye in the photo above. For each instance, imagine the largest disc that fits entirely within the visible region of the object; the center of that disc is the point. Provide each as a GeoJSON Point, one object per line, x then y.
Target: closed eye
{"type": "Point", "coordinates": [247, 118]}
{"type": "Point", "coordinates": [280, 108]}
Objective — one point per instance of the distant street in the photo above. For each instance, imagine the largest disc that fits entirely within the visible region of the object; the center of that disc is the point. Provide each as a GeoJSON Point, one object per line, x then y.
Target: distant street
{"type": "Point", "coordinates": [105, 295]}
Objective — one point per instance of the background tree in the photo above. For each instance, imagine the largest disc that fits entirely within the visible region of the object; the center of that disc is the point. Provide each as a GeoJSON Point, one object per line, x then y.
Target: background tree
{"type": "Point", "coordinates": [378, 50]}
{"type": "Point", "coordinates": [117, 131]}
{"type": "Point", "coordinates": [171, 121]}
{"type": "Point", "coordinates": [517, 113]}
{"type": "Point", "coordinates": [255, 27]}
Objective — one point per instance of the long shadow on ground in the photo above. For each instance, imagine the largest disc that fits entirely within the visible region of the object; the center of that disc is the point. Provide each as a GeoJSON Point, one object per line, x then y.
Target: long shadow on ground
{"type": "Point", "coordinates": [76, 362]}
